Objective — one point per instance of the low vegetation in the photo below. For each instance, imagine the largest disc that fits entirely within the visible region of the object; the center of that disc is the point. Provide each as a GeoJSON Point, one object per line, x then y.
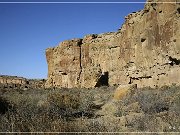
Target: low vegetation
{"type": "Point", "coordinates": [90, 110]}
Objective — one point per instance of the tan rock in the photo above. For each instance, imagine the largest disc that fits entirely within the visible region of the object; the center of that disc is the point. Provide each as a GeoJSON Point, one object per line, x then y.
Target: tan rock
{"type": "Point", "coordinates": [145, 51]}
{"type": "Point", "coordinates": [15, 82]}
{"type": "Point", "coordinates": [89, 38]}
{"type": "Point", "coordinates": [123, 90]}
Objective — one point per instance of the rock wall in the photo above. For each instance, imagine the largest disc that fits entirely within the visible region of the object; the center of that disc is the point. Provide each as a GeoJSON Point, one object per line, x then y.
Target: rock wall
{"type": "Point", "coordinates": [144, 51]}
{"type": "Point", "coordinates": [14, 82]}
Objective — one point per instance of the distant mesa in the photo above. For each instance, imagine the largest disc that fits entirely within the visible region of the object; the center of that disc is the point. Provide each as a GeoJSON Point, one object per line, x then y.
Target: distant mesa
{"type": "Point", "coordinates": [14, 82]}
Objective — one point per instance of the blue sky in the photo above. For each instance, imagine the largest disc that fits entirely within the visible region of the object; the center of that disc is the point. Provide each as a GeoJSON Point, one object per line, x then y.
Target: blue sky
{"type": "Point", "coordinates": [26, 30]}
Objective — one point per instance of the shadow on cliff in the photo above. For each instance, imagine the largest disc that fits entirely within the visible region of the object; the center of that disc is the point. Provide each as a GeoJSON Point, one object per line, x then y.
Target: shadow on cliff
{"type": "Point", "coordinates": [103, 80]}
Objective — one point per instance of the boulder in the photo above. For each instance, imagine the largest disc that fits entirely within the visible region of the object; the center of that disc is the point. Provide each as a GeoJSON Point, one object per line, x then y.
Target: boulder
{"type": "Point", "coordinates": [124, 90]}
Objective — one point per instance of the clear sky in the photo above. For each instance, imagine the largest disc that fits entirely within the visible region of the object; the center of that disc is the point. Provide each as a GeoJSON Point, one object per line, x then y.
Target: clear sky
{"type": "Point", "coordinates": [26, 30]}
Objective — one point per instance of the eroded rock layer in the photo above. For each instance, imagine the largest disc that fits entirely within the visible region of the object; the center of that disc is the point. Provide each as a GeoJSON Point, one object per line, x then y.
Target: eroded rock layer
{"type": "Point", "coordinates": [14, 82]}
{"type": "Point", "coordinates": [144, 51]}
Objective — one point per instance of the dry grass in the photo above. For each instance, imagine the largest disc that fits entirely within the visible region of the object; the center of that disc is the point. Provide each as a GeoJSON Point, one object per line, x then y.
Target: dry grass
{"type": "Point", "coordinates": [90, 110]}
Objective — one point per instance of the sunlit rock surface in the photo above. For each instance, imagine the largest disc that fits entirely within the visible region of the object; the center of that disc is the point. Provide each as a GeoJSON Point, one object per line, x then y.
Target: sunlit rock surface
{"type": "Point", "coordinates": [144, 51]}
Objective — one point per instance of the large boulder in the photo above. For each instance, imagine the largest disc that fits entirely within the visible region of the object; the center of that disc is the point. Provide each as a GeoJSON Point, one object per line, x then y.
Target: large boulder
{"type": "Point", "coordinates": [124, 90]}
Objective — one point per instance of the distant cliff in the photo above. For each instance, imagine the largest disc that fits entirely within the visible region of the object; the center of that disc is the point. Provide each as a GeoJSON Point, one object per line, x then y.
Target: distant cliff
{"type": "Point", "coordinates": [14, 82]}
{"type": "Point", "coordinates": [144, 51]}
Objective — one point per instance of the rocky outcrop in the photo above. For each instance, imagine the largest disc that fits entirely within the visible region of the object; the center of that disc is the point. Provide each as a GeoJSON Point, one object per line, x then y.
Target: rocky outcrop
{"type": "Point", "coordinates": [145, 51]}
{"type": "Point", "coordinates": [14, 82]}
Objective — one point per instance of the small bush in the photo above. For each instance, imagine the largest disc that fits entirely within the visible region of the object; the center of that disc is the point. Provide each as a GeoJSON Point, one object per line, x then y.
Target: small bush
{"type": "Point", "coordinates": [4, 105]}
{"type": "Point", "coordinates": [64, 100]}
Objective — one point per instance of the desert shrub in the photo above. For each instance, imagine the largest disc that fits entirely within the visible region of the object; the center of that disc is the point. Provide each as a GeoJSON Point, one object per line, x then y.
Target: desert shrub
{"type": "Point", "coordinates": [151, 100]}
{"type": "Point", "coordinates": [28, 117]}
{"type": "Point", "coordinates": [162, 101]}
{"type": "Point", "coordinates": [66, 110]}
{"type": "Point", "coordinates": [34, 122]}
{"type": "Point", "coordinates": [95, 126]}
{"type": "Point", "coordinates": [72, 103]}
{"type": "Point", "coordinates": [64, 100]}
{"type": "Point", "coordinates": [4, 105]}
{"type": "Point", "coordinates": [175, 105]}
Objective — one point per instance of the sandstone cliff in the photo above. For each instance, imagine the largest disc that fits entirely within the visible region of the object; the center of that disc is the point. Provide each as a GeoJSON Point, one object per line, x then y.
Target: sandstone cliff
{"type": "Point", "coordinates": [14, 82]}
{"type": "Point", "coordinates": [144, 51]}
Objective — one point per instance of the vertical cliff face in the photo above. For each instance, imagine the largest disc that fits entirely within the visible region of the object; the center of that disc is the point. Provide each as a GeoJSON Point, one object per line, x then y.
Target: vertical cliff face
{"type": "Point", "coordinates": [64, 64]}
{"type": "Point", "coordinates": [145, 51]}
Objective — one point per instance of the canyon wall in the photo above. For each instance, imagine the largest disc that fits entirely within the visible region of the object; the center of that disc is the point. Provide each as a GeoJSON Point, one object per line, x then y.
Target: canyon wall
{"type": "Point", "coordinates": [14, 82]}
{"type": "Point", "coordinates": [144, 51]}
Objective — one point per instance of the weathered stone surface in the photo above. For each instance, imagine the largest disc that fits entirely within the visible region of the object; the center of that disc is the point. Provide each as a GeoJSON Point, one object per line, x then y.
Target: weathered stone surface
{"type": "Point", "coordinates": [15, 82]}
{"type": "Point", "coordinates": [64, 64]}
{"type": "Point", "coordinates": [145, 51]}
{"type": "Point", "coordinates": [123, 90]}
